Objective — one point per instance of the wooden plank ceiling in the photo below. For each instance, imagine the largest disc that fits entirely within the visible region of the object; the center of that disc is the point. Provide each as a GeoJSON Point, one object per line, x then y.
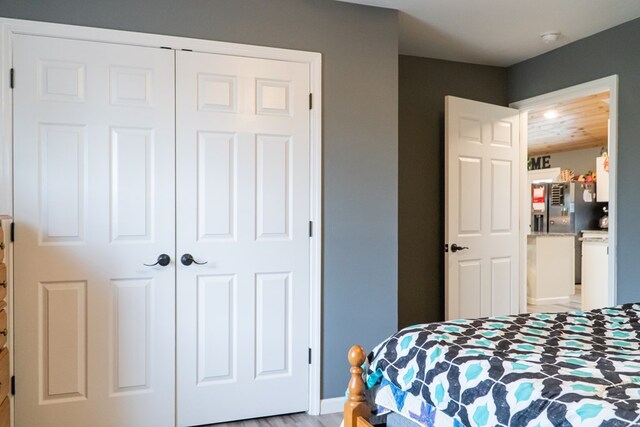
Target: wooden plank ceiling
{"type": "Point", "coordinates": [580, 123]}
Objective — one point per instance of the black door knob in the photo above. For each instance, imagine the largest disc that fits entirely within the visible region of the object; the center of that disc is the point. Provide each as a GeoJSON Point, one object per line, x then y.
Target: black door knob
{"type": "Point", "coordinates": [163, 260]}
{"type": "Point", "coordinates": [187, 259]}
{"type": "Point", "coordinates": [456, 248]}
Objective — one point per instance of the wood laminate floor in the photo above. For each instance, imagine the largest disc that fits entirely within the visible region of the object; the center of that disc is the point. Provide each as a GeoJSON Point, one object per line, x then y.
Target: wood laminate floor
{"type": "Point", "coordinates": [301, 420]}
{"type": "Point", "coordinates": [334, 420]}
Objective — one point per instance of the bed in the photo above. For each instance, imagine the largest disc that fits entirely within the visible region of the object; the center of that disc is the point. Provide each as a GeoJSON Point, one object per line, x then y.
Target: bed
{"type": "Point", "coordinates": [557, 369]}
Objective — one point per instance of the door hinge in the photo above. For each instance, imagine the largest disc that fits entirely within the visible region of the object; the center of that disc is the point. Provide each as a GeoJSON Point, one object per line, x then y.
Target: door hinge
{"type": "Point", "coordinates": [13, 385]}
{"type": "Point", "coordinates": [310, 101]}
{"type": "Point", "coordinates": [310, 228]}
{"type": "Point", "coordinates": [309, 356]}
{"type": "Point", "coordinates": [12, 232]}
{"type": "Point", "coordinates": [12, 78]}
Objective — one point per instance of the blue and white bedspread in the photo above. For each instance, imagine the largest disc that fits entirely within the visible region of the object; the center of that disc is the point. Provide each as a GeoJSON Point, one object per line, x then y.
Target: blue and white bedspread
{"type": "Point", "coordinates": [561, 369]}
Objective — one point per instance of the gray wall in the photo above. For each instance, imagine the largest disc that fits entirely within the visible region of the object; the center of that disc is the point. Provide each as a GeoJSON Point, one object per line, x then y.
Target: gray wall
{"type": "Point", "coordinates": [579, 161]}
{"type": "Point", "coordinates": [610, 52]}
{"type": "Point", "coordinates": [360, 124]}
{"type": "Point", "coordinates": [423, 85]}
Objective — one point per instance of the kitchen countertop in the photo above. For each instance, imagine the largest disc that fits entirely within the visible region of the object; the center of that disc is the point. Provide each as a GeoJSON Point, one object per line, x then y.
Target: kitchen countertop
{"type": "Point", "coordinates": [552, 234]}
{"type": "Point", "coordinates": [595, 236]}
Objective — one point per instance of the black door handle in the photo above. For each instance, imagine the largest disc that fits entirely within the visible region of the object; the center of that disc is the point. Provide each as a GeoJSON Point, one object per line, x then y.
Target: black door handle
{"type": "Point", "coordinates": [163, 260]}
{"type": "Point", "coordinates": [456, 248]}
{"type": "Point", "coordinates": [187, 259]}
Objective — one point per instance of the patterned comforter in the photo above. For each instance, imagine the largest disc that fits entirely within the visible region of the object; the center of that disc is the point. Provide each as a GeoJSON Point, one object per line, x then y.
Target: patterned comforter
{"type": "Point", "coordinates": [561, 369]}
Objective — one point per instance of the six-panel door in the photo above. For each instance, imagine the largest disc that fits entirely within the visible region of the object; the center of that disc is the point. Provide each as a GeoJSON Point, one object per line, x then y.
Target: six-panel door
{"type": "Point", "coordinates": [243, 208]}
{"type": "Point", "coordinates": [482, 155]}
{"type": "Point", "coordinates": [94, 202]}
{"type": "Point", "coordinates": [95, 156]}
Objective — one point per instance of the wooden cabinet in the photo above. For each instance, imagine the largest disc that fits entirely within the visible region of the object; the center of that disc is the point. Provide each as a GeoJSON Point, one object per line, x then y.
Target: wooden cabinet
{"type": "Point", "coordinates": [3, 281]}
{"type": "Point", "coordinates": [4, 328]}
{"type": "Point", "coordinates": [5, 412]}
{"type": "Point", "coordinates": [5, 349]}
{"type": "Point", "coordinates": [5, 375]}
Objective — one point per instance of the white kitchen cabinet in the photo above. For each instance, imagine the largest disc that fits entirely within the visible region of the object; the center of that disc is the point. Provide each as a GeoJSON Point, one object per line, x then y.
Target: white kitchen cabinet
{"type": "Point", "coordinates": [602, 180]}
{"type": "Point", "coordinates": [550, 268]}
{"type": "Point", "coordinates": [595, 269]}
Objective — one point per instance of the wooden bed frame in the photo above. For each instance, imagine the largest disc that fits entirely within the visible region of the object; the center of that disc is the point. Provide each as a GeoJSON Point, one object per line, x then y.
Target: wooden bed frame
{"type": "Point", "coordinates": [356, 408]}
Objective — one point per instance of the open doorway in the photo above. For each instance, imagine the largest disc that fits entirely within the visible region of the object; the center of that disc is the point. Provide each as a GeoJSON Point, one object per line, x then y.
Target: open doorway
{"type": "Point", "coordinates": [568, 199]}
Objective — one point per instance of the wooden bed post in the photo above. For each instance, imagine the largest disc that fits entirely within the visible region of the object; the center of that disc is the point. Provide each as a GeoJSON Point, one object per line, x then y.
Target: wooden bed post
{"type": "Point", "coordinates": [356, 408]}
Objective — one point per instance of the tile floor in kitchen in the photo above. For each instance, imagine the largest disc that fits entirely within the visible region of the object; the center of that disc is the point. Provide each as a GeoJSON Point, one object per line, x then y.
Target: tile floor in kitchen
{"type": "Point", "coordinates": [572, 305]}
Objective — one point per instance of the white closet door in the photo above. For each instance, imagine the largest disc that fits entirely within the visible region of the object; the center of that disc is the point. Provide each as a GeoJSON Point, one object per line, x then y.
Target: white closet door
{"type": "Point", "coordinates": [94, 201]}
{"type": "Point", "coordinates": [243, 208]}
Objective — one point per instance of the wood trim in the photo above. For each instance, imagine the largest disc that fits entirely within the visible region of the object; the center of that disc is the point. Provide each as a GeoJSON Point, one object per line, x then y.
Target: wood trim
{"type": "Point", "coordinates": [6, 124]}
{"type": "Point", "coordinates": [525, 215]}
{"type": "Point", "coordinates": [315, 267]}
{"type": "Point", "coordinates": [356, 408]}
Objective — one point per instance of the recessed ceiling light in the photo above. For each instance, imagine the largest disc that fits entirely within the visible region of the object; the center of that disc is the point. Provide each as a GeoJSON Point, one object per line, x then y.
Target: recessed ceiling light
{"type": "Point", "coordinates": [550, 114]}
{"type": "Point", "coordinates": [550, 36]}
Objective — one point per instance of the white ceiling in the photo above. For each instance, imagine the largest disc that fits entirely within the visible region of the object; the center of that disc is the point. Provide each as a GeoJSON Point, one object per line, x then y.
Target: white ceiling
{"type": "Point", "coordinates": [499, 32]}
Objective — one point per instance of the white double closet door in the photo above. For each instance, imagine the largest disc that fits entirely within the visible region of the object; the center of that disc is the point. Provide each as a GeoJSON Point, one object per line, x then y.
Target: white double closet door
{"type": "Point", "coordinates": [124, 153]}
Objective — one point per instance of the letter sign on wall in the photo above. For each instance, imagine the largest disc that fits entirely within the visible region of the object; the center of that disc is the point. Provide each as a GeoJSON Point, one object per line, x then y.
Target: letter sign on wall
{"type": "Point", "coordinates": [540, 162]}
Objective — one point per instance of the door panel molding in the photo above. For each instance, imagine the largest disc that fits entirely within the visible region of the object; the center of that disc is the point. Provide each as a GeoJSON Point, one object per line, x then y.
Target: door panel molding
{"type": "Point", "coordinates": [90, 211]}
{"type": "Point", "coordinates": [269, 255]}
{"type": "Point", "coordinates": [480, 150]}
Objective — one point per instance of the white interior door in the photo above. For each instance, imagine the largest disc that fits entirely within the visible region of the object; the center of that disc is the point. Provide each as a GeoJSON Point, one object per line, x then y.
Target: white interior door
{"type": "Point", "coordinates": [243, 208]}
{"type": "Point", "coordinates": [94, 201]}
{"type": "Point", "coordinates": [481, 209]}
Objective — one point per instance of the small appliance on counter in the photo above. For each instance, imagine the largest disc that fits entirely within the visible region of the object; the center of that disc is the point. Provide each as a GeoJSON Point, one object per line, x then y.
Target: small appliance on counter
{"type": "Point", "coordinates": [604, 219]}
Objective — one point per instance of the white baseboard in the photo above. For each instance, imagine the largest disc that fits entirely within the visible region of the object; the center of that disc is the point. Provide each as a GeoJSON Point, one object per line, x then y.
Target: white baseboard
{"type": "Point", "coordinates": [543, 301]}
{"type": "Point", "coordinates": [331, 406]}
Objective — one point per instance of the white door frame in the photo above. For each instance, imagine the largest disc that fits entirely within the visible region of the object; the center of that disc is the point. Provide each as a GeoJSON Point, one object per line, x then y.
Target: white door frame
{"type": "Point", "coordinates": [604, 84]}
{"type": "Point", "coordinates": [9, 27]}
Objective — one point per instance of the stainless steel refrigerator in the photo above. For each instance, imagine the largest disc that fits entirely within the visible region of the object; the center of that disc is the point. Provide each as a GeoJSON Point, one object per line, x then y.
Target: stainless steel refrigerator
{"type": "Point", "coordinates": [569, 207]}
